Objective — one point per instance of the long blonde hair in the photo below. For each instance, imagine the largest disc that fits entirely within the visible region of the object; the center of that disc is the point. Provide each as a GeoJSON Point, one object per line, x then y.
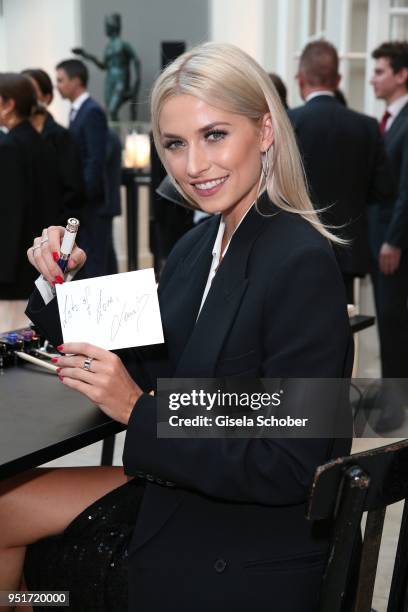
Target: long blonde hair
{"type": "Point", "coordinates": [225, 77]}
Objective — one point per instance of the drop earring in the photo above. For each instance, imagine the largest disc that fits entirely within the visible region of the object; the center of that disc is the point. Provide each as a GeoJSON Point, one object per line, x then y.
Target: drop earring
{"type": "Point", "coordinates": [265, 163]}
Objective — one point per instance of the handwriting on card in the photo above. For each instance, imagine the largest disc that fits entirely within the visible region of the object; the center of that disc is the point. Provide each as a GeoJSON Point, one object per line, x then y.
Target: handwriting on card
{"type": "Point", "coordinates": [107, 309]}
{"type": "Point", "coordinates": [112, 311]}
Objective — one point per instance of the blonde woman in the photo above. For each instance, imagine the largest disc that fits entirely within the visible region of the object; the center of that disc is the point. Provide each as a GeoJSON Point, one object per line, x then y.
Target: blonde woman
{"type": "Point", "coordinates": [204, 524]}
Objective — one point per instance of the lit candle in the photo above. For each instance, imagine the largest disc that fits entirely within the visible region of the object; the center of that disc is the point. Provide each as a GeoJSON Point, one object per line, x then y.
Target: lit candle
{"type": "Point", "coordinates": [137, 150]}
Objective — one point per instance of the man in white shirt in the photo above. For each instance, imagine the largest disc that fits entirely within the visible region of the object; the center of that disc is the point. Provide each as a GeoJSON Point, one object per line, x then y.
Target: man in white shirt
{"type": "Point", "coordinates": [343, 155]}
{"type": "Point", "coordinates": [89, 129]}
{"type": "Point", "coordinates": [390, 233]}
{"type": "Point", "coordinates": [390, 82]}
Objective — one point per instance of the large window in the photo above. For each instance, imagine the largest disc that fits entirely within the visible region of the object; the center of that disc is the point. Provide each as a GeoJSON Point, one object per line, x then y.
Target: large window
{"type": "Point", "coordinates": [355, 27]}
{"type": "Point", "coordinates": [398, 12]}
{"type": "Point", "coordinates": [345, 25]}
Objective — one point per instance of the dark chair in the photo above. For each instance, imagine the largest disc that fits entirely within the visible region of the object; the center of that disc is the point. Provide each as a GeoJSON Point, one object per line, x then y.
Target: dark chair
{"type": "Point", "coordinates": [343, 489]}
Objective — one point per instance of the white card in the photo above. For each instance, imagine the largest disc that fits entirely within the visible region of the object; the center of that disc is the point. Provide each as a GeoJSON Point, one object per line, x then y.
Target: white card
{"type": "Point", "coordinates": [112, 312]}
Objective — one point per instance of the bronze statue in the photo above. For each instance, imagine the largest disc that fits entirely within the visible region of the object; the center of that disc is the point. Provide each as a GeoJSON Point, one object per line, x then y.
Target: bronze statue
{"type": "Point", "coordinates": [117, 61]}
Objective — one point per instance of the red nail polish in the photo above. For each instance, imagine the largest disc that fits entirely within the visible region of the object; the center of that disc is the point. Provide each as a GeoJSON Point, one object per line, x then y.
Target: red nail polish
{"type": "Point", "coordinates": [55, 256]}
{"type": "Point", "coordinates": [54, 359]}
{"type": "Point", "coordinates": [58, 370]}
{"type": "Point", "coordinates": [61, 377]}
{"type": "Point", "coordinates": [59, 279]}
{"type": "Point", "coordinates": [60, 348]}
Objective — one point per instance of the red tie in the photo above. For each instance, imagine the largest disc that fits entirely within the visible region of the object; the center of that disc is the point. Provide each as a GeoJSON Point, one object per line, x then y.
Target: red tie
{"type": "Point", "coordinates": [383, 121]}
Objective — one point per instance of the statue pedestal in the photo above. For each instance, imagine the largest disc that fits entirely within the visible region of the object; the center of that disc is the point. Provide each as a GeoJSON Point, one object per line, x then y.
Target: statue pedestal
{"type": "Point", "coordinates": [132, 179]}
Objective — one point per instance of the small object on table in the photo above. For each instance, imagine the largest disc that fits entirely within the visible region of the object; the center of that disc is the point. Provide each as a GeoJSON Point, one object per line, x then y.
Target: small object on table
{"type": "Point", "coordinates": [36, 361]}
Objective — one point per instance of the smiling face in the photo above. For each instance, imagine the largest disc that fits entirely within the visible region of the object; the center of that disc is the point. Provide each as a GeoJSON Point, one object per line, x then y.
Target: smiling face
{"type": "Point", "coordinates": [214, 155]}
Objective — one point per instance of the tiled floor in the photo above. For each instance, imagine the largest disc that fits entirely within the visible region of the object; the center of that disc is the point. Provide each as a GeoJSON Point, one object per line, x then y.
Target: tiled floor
{"type": "Point", "coordinates": [368, 367]}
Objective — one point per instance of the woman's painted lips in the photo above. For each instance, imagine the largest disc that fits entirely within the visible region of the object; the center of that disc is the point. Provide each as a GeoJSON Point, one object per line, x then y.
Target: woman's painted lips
{"type": "Point", "coordinates": [209, 188]}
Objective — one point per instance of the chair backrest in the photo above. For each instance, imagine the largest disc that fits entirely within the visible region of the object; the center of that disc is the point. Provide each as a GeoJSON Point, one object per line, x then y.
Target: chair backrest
{"type": "Point", "coordinates": [345, 488]}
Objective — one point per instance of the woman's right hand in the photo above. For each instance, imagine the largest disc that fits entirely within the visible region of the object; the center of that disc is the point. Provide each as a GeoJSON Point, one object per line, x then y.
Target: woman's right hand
{"type": "Point", "coordinates": [45, 252]}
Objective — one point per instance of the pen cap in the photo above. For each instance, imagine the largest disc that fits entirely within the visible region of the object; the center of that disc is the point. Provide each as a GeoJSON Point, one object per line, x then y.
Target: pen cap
{"type": "Point", "coordinates": [72, 225]}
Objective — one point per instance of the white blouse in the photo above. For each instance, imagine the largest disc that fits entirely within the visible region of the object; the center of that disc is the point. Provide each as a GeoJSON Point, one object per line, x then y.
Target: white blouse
{"type": "Point", "coordinates": [217, 255]}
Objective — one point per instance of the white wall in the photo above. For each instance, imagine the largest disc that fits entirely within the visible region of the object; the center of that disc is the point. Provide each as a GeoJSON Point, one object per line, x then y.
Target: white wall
{"type": "Point", "coordinates": [2, 40]}
{"type": "Point", "coordinates": [145, 24]}
{"type": "Point", "coordinates": [260, 28]}
{"type": "Point", "coordinates": [238, 22]}
{"type": "Point", "coordinates": [38, 34]}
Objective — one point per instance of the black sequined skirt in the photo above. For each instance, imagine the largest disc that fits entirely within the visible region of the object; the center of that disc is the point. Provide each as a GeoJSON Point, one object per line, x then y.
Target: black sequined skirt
{"type": "Point", "coordinates": [90, 558]}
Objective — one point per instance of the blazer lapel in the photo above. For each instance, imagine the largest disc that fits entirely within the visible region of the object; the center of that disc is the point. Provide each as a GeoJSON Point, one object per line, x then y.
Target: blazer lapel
{"type": "Point", "coordinates": [222, 303]}
{"type": "Point", "coordinates": [397, 124]}
{"type": "Point", "coordinates": [181, 296]}
{"type": "Point", "coordinates": [75, 121]}
{"type": "Point", "coordinates": [199, 343]}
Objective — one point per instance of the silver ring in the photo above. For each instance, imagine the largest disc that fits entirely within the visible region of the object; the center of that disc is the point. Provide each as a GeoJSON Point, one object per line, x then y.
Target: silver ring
{"type": "Point", "coordinates": [87, 364]}
{"type": "Point", "coordinates": [35, 247]}
{"type": "Point", "coordinates": [43, 240]}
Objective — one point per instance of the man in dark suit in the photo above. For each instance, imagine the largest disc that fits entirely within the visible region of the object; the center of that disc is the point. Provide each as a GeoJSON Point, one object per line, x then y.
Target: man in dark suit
{"type": "Point", "coordinates": [344, 158]}
{"type": "Point", "coordinates": [390, 231]}
{"type": "Point", "coordinates": [89, 128]}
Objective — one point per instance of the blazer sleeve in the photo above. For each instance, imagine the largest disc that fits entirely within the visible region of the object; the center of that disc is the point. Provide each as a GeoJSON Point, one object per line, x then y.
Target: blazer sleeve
{"type": "Point", "coordinates": [313, 341]}
{"type": "Point", "coordinates": [12, 210]}
{"type": "Point", "coordinates": [95, 132]}
{"type": "Point", "coordinates": [397, 232]}
{"type": "Point", "coordinates": [381, 188]}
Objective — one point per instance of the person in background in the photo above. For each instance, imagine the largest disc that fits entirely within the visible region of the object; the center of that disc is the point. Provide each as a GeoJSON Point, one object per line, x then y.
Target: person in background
{"type": "Point", "coordinates": [88, 126]}
{"type": "Point", "coordinates": [280, 88]}
{"type": "Point", "coordinates": [344, 158]}
{"type": "Point", "coordinates": [29, 195]}
{"type": "Point", "coordinates": [62, 143]}
{"type": "Point", "coordinates": [389, 229]}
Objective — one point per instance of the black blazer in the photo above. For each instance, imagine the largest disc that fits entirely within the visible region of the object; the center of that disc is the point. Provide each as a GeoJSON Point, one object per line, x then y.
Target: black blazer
{"type": "Point", "coordinates": [30, 201]}
{"type": "Point", "coordinates": [347, 170]}
{"type": "Point", "coordinates": [393, 226]}
{"type": "Point", "coordinates": [90, 131]}
{"type": "Point", "coordinates": [69, 168]}
{"type": "Point", "coordinates": [222, 523]}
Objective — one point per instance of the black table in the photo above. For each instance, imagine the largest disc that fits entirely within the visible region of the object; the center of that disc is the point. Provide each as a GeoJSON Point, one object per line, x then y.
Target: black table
{"type": "Point", "coordinates": [360, 322]}
{"type": "Point", "coordinates": [41, 419]}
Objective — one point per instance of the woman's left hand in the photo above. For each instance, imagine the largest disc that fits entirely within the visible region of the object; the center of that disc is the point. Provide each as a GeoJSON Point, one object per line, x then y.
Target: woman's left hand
{"type": "Point", "coordinates": [101, 376]}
